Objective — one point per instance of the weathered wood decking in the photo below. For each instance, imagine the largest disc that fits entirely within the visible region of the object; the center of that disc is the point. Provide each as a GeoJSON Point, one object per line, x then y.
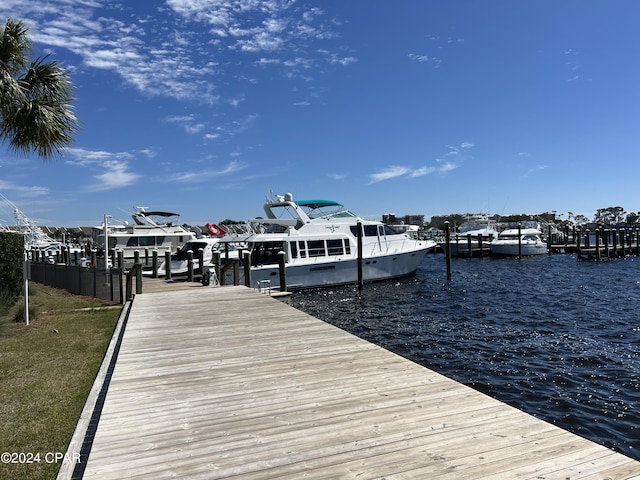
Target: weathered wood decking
{"type": "Point", "coordinates": [228, 383]}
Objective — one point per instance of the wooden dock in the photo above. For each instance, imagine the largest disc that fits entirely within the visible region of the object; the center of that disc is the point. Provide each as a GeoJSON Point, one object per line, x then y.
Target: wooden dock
{"type": "Point", "coordinates": [224, 382]}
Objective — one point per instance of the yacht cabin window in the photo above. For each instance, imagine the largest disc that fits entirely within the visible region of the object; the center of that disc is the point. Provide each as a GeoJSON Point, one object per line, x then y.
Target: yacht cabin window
{"type": "Point", "coordinates": [265, 253]}
{"type": "Point", "coordinates": [374, 230]}
{"type": "Point", "coordinates": [149, 241]}
{"type": "Point", "coordinates": [320, 248]}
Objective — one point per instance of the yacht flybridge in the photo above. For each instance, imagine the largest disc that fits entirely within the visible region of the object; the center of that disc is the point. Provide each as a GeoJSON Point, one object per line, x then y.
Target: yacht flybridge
{"type": "Point", "coordinates": [151, 230]}
{"type": "Point", "coordinates": [319, 239]}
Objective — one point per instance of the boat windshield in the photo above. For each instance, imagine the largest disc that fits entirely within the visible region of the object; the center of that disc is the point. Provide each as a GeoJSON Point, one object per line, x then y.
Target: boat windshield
{"type": "Point", "coordinates": [324, 209]}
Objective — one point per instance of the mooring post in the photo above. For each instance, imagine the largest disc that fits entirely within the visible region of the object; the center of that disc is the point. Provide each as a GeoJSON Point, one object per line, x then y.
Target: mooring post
{"type": "Point", "coordinates": [247, 269]}
{"type": "Point", "coordinates": [236, 272]}
{"type": "Point", "coordinates": [216, 267]}
{"type": "Point", "coordinates": [447, 248]}
{"type": "Point", "coordinates": [360, 273]}
{"type": "Point", "coordinates": [154, 263]}
{"type": "Point", "coordinates": [190, 266]}
{"type": "Point", "coordinates": [201, 261]}
{"type": "Point", "coordinates": [549, 242]}
{"type": "Point", "coordinates": [519, 241]}
{"type": "Point", "coordinates": [283, 271]}
{"type": "Point", "coordinates": [138, 269]}
{"type": "Point", "coordinates": [598, 244]}
{"type": "Point", "coordinates": [167, 266]}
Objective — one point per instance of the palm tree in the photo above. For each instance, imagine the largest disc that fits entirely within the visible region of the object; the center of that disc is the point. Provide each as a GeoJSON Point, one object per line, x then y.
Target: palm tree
{"type": "Point", "coordinates": [35, 98]}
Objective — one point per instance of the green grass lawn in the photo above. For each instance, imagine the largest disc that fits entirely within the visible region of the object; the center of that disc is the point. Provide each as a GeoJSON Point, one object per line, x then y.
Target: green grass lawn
{"type": "Point", "coordinates": [46, 372]}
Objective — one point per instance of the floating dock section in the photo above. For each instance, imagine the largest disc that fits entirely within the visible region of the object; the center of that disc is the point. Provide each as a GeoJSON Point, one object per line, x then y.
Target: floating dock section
{"type": "Point", "coordinates": [227, 383]}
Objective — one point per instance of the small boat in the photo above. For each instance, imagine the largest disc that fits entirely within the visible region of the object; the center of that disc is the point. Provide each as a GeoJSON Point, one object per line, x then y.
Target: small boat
{"type": "Point", "coordinates": [523, 240]}
{"type": "Point", "coordinates": [180, 260]}
{"type": "Point", "coordinates": [319, 239]}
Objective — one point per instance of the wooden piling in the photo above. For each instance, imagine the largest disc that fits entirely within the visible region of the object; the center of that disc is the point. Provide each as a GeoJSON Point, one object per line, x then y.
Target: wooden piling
{"type": "Point", "coordinates": [360, 273]}
{"type": "Point", "coordinates": [154, 263]}
{"type": "Point", "coordinates": [282, 270]}
{"type": "Point", "coordinates": [447, 248]}
{"type": "Point", "coordinates": [247, 269]}
{"type": "Point", "coordinates": [167, 266]}
{"type": "Point", "coordinates": [190, 266]}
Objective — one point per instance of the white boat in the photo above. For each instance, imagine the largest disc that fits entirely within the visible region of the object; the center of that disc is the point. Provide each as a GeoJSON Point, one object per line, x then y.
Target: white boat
{"type": "Point", "coordinates": [180, 260]}
{"type": "Point", "coordinates": [151, 230]}
{"type": "Point", "coordinates": [524, 240]}
{"type": "Point", "coordinates": [319, 239]}
{"type": "Point", "coordinates": [476, 229]}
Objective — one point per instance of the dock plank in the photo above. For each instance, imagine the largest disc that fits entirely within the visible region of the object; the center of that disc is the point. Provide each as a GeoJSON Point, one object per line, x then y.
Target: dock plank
{"type": "Point", "coordinates": [228, 383]}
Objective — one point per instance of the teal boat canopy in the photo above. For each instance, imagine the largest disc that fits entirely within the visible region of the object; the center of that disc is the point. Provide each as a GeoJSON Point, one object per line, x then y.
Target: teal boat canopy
{"type": "Point", "coordinates": [318, 203]}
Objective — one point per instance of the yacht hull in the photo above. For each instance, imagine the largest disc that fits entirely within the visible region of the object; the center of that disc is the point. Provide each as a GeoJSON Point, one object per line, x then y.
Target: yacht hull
{"type": "Point", "coordinates": [512, 249]}
{"type": "Point", "coordinates": [339, 272]}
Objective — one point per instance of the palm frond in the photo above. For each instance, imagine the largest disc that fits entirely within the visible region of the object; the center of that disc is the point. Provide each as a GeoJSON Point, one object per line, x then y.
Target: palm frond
{"type": "Point", "coordinates": [36, 114]}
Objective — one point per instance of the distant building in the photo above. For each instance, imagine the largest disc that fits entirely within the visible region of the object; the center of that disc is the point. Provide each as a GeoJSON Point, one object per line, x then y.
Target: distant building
{"type": "Point", "coordinates": [392, 219]}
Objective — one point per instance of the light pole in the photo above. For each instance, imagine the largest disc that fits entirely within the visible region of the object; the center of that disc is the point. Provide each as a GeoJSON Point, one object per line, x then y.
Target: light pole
{"type": "Point", "coordinates": [106, 247]}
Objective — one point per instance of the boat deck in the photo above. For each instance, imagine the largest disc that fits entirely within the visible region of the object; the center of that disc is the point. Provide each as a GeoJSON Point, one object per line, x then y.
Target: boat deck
{"type": "Point", "coordinates": [228, 383]}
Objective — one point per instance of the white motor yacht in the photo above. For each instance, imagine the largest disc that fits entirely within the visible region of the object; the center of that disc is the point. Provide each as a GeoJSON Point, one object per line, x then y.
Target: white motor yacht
{"type": "Point", "coordinates": [520, 241]}
{"type": "Point", "coordinates": [476, 229]}
{"type": "Point", "coordinates": [151, 230]}
{"type": "Point", "coordinates": [319, 239]}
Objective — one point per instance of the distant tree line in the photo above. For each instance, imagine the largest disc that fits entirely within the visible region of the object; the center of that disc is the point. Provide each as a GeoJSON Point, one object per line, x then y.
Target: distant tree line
{"type": "Point", "coordinates": [605, 216]}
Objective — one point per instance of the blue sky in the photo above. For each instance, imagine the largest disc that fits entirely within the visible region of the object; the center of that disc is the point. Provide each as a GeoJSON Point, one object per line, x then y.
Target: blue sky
{"type": "Point", "coordinates": [202, 107]}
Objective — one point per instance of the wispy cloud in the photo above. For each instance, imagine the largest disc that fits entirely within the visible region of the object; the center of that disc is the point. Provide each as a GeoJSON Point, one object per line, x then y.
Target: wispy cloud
{"type": "Point", "coordinates": [184, 62]}
{"type": "Point", "coordinates": [205, 175]}
{"type": "Point", "coordinates": [114, 167]}
{"type": "Point", "coordinates": [337, 176]}
{"type": "Point", "coordinates": [117, 175]}
{"type": "Point", "coordinates": [187, 122]}
{"type": "Point", "coordinates": [454, 157]}
{"type": "Point", "coordinates": [574, 66]}
{"type": "Point", "coordinates": [23, 190]}
{"type": "Point", "coordinates": [434, 42]}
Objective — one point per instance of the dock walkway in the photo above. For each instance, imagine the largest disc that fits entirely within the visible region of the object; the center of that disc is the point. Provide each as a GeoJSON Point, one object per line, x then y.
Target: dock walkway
{"type": "Point", "coordinates": [218, 383]}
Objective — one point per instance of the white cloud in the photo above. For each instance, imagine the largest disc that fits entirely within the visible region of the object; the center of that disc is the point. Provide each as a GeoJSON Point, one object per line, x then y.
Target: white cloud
{"type": "Point", "coordinates": [116, 176]}
{"type": "Point", "coordinates": [455, 156]}
{"type": "Point", "coordinates": [337, 176]}
{"type": "Point", "coordinates": [114, 166]}
{"type": "Point", "coordinates": [176, 53]}
{"type": "Point", "coordinates": [389, 173]}
{"type": "Point", "coordinates": [206, 175]}
{"type": "Point", "coordinates": [419, 172]}
{"type": "Point", "coordinates": [414, 57]}
{"type": "Point", "coordinates": [23, 190]}
{"type": "Point", "coordinates": [447, 167]}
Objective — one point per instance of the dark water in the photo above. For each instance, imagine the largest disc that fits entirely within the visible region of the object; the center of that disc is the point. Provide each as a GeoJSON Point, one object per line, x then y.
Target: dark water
{"type": "Point", "coordinates": [552, 336]}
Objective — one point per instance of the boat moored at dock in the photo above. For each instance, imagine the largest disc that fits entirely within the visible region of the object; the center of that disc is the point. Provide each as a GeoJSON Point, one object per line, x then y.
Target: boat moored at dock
{"type": "Point", "coordinates": [522, 240]}
{"type": "Point", "coordinates": [476, 233]}
{"type": "Point", "coordinates": [319, 241]}
{"type": "Point", "coordinates": [151, 230]}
